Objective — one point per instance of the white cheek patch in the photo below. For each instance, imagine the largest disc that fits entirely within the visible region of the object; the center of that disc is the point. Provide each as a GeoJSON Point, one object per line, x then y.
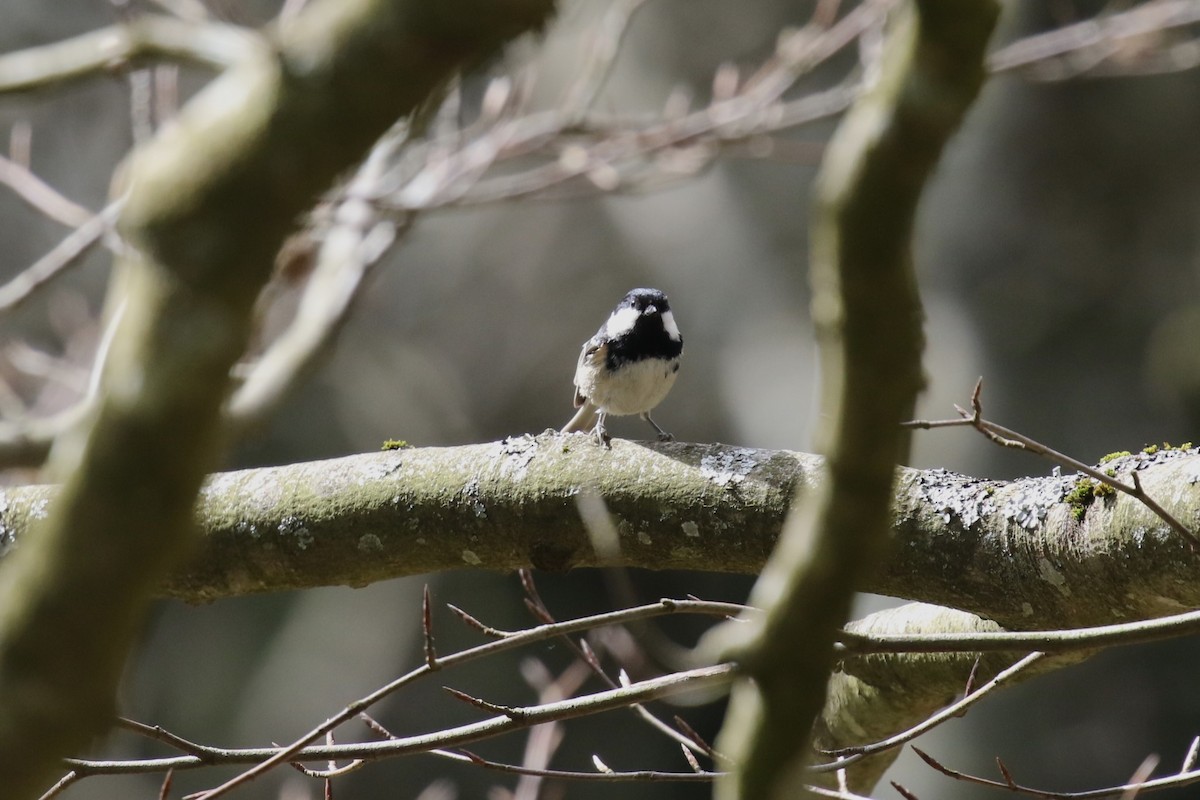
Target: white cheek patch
{"type": "Point", "coordinates": [668, 320]}
{"type": "Point", "coordinates": [622, 321]}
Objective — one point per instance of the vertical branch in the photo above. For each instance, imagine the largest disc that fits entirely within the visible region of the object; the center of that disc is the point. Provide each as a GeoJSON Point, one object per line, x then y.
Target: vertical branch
{"type": "Point", "coordinates": [868, 318]}
{"type": "Point", "coordinates": [209, 201]}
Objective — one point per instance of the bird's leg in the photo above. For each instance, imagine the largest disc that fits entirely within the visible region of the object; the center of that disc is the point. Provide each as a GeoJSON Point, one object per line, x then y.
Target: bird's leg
{"type": "Point", "coordinates": [663, 436]}
{"type": "Point", "coordinates": [602, 436]}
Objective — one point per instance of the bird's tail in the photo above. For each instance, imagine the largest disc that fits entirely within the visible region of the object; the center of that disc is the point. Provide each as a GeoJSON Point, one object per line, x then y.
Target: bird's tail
{"type": "Point", "coordinates": [584, 419]}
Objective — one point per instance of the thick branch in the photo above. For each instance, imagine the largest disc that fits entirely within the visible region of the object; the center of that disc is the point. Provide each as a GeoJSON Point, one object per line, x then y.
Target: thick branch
{"type": "Point", "coordinates": [1012, 551]}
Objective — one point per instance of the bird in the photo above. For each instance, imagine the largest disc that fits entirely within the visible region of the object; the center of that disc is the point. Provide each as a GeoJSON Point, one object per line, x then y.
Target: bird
{"type": "Point", "coordinates": [628, 366]}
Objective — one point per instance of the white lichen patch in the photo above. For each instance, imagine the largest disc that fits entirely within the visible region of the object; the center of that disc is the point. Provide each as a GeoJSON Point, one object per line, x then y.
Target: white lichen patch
{"type": "Point", "coordinates": [729, 465]}
{"type": "Point", "coordinates": [369, 543]}
{"type": "Point", "coordinates": [1030, 500]}
{"type": "Point", "coordinates": [39, 508]}
{"type": "Point", "coordinates": [690, 528]}
{"type": "Point", "coordinates": [1026, 609]}
{"type": "Point", "coordinates": [956, 497]}
{"type": "Point", "coordinates": [292, 527]}
{"type": "Point", "coordinates": [644, 538]}
{"type": "Point", "coordinates": [381, 466]}
{"type": "Point", "coordinates": [474, 498]}
{"type": "Point", "coordinates": [246, 528]}
{"type": "Point", "coordinates": [1052, 576]}
{"type": "Point", "coordinates": [470, 557]}
{"type": "Point", "coordinates": [515, 456]}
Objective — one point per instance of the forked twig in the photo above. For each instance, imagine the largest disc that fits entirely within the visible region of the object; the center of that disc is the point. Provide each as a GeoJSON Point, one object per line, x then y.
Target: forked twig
{"type": "Point", "coordinates": [1006, 437]}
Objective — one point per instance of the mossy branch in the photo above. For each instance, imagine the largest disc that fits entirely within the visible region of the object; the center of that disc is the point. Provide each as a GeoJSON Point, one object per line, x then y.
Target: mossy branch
{"type": "Point", "coordinates": [1012, 551]}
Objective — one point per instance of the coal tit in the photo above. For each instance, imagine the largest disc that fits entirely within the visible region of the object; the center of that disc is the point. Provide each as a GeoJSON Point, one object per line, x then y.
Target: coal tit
{"type": "Point", "coordinates": [629, 365]}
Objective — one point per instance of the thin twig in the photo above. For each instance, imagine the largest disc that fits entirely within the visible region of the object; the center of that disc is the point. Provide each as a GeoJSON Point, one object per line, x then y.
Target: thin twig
{"type": "Point", "coordinates": [512, 712]}
{"type": "Point", "coordinates": [62, 255]}
{"type": "Point", "coordinates": [537, 607]}
{"type": "Point", "coordinates": [431, 660]}
{"type": "Point", "coordinates": [602, 48]}
{"type": "Point", "coordinates": [273, 759]}
{"type": "Point", "coordinates": [605, 700]}
{"type": "Point", "coordinates": [850, 755]}
{"type": "Point", "coordinates": [41, 196]}
{"type": "Point", "coordinates": [159, 734]}
{"type": "Point", "coordinates": [1006, 437]}
{"type": "Point", "coordinates": [644, 776]}
{"type": "Point", "coordinates": [61, 785]}
{"type": "Point", "coordinates": [486, 630]}
{"type": "Point", "coordinates": [1011, 785]}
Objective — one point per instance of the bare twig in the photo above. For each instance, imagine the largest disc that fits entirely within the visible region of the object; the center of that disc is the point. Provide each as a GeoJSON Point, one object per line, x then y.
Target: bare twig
{"type": "Point", "coordinates": [1006, 437]}
{"type": "Point", "coordinates": [512, 712]}
{"type": "Point", "coordinates": [1140, 776]}
{"type": "Point", "coordinates": [606, 700]}
{"type": "Point", "coordinates": [603, 46]}
{"type": "Point", "coordinates": [61, 785]}
{"type": "Point", "coordinates": [541, 633]}
{"type": "Point", "coordinates": [849, 755]}
{"type": "Point", "coordinates": [1189, 760]}
{"type": "Point", "coordinates": [543, 740]}
{"type": "Point", "coordinates": [164, 790]}
{"type": "Point", "coordinates": [63, 255]}
{"type": "Point", "coordinates": [431, 660]}
{"type": "Point", "coordinates": [486, 630]}
{"type": "Point", "coordinates": [1011, 785]}
{"type": "Point", "coordinates": [357, 239]}
{"type": "Point", "coordinates": [159, 734]}
{"type": "Point", "coordinates": [612, 776]}
{"type": "Point", "coordinates": [538, 608]}
{"type": "Point", "coordinates": [40, 195]}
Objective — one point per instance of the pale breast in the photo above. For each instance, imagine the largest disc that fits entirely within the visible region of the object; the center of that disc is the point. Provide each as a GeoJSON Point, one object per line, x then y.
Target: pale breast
{"type": "Point", "coordinates": [635, 388]}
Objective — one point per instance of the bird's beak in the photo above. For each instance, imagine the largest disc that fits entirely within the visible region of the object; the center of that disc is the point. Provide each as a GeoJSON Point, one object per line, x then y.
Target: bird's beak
{"type": "Point", "coordinates": [651, 309]}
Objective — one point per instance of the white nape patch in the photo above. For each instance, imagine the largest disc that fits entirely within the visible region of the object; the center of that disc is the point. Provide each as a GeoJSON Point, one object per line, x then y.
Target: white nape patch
{"type": "Point", "coordinates": [668, 320]}
{"type": "Point", "coordinates": [622, 321]}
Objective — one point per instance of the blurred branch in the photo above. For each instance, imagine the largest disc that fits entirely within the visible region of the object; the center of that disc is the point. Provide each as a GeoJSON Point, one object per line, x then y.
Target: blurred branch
{"type": "Point", "coordinates": [39, 195]}
{"type": "Point", "coordinates": [207, 208]}
{"type": "Point", "coordinates": [212, 44]}
{"type": "Point", "coordinates": [1116, 43]}
{"type": "Point", "coordinates": [868, 315]}
{"type": "Point", "coordinates": [358, 236]}
{"type": "Point", "coordinates": [67, 252]}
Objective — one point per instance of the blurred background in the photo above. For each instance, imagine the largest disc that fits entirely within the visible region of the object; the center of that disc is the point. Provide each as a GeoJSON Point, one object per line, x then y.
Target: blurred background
{"type": "Point", "coordinates": [1059, 250]}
